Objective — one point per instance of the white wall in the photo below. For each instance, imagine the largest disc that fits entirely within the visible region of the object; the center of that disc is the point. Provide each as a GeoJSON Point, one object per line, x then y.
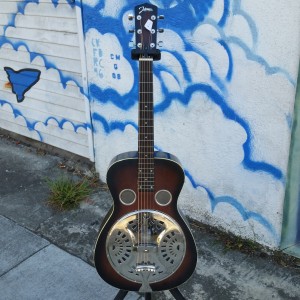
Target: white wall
{"type": "Point", "coordinates": [224, 94]}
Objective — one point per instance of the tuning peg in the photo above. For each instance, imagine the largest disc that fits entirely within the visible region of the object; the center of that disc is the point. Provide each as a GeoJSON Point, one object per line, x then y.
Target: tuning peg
{"type": "Point", "coordinates": [131, 31]}
{"type": "Point", "coordinates": [131, 44]}
{"type": "Point", "coordinates": [160, 30]}
{"type": "Point", "coordinates": [130, 17]}
{"type": "Point", "coordinates": [160, 44]}
{"type": "Point", "coordinates": [161, 17]}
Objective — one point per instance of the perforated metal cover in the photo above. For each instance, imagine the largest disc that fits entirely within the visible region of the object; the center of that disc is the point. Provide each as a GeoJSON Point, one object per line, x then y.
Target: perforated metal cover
{"type": "Point", "coordinates": [146, 247]}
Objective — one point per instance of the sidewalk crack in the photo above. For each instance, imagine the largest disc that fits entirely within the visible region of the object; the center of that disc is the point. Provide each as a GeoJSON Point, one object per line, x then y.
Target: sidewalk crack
{"type": "Point", "coordinates": [18, 264]}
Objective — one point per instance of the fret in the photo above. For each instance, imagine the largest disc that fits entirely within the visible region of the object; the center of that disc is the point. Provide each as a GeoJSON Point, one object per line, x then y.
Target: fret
{"type": "Point", "coordinates": [144, 163]}
{"type": "Point", "coordinates": [146, 182]}
{"type": "Point", "coordinates": [146, 120]}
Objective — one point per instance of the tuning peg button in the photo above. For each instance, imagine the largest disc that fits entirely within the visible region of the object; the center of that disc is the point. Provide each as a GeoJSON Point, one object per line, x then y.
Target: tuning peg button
{"type": "Point", "coordinates": [160, 44]}
{"type": "Point", "coordinates": [131, 31]}
{"type": "Point", "coordinates": [130, 17]}
{"type": "Point", "coordinates": [160, 30]}
{"type": "Point", "coordinates": [161, 17]}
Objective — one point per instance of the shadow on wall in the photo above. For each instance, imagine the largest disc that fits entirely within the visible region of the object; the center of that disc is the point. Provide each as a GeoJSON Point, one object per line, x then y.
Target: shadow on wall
{"type": "Point", "coordinates": [290, 241]}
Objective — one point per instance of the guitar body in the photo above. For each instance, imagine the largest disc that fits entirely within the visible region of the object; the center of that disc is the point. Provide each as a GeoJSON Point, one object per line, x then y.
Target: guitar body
{"type": "Point", "coordinates": [144, 243]}
{"type": "Point", "coordinates": [118, 266]}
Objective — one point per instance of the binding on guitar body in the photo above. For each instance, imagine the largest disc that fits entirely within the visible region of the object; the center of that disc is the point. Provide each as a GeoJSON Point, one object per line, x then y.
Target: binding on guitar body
{"type": "Point", "coordinates": [144, 243]}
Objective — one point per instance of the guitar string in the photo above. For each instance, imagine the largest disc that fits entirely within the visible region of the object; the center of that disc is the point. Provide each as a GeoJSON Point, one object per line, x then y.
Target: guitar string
{"type": "Point", "coordinates": [143, 86]}
{"type": "Point", "coordinates": [140, 161]}
{"type": "Point", "coordinates": [139, 168]}
{"type": "Point", "coordinates": [148, 95]}
{"type": "Point", "coordinates": [151, 139]}
{"type": "Point", "coordinates": [146, 155]}
{"type": "Point", "coordinates": [144, 158]}
{"type": "Point", "coordinates": [147, 159]}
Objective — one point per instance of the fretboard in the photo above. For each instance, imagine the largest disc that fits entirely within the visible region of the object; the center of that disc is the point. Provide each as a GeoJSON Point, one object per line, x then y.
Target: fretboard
{"type": "Point", "coordinates": [146, 126]}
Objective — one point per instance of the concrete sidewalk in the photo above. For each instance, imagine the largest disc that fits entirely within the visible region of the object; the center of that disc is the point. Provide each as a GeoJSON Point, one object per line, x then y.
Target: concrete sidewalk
{"type": "Point", "coordinates": [47, 254]}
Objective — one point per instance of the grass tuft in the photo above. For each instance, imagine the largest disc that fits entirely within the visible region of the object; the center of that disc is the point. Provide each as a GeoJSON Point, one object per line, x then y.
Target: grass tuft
{"type": "Point", "coordinates": [66, 194]}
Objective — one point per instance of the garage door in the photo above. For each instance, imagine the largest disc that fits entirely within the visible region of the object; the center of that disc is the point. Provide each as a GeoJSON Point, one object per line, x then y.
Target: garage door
{"type": "Point", "coordinates": [41, 87]}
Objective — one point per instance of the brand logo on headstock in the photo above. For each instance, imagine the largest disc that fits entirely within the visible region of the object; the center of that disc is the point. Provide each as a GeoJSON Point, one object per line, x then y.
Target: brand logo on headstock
{"type": "Point", "coordinates": [143, 8]}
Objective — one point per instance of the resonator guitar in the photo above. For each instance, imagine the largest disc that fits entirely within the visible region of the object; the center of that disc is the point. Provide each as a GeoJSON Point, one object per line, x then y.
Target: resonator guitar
{"type": "Point", "coordinates": [144, 243]}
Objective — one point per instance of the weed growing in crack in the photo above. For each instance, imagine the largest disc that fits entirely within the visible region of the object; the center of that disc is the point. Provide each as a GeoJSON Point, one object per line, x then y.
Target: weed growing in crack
{"type": "Point", "coordinates": [66, 193]}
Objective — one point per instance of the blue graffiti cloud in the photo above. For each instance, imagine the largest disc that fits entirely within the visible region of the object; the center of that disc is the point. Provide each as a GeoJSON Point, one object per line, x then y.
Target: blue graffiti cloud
{"type": "Point", "coordinates": [176, 14]}
{"type": "Point", "coordinates": [63, 121]}
{"type": "Point", "coordinates": [31, 124]}
{"type": "Point", "coordinates": [20, 10]}
{"type": "Point", "coordinates": [245, 213]}
{"type": "Point", "coordinates": [114, 125]}
{"type": "Point", "coordinates": [48, 64]}
{"type": "Point", "coordinates": [22, 80]}
{"type": "Point", "coordinates": [127, 101]}
{"type": "Point", "coordinates": [17, 113]}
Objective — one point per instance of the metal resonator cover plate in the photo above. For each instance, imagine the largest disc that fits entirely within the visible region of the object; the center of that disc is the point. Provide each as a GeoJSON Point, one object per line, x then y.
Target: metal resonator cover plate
{"type": "Point", "coordinates": [145, 247]}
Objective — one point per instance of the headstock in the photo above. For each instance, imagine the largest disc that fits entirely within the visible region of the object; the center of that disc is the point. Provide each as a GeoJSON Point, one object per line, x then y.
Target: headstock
{"type": "Point", "coordinates": [146, 32]}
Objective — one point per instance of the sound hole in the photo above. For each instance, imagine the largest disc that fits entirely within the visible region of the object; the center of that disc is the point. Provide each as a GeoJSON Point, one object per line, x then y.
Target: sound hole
{"type": "Point", "coordinates": [163, 197]}
{"type": "Point", "coordinates": [127, 197]}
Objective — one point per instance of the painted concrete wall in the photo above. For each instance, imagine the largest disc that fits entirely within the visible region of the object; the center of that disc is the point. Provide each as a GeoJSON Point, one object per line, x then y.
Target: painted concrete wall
{"type": "Point", "coordinates": [224, 97]}
{"type": "Point", "coordinates": [41, 86]}
{"type": "Point", "coordinates": [224, 94]}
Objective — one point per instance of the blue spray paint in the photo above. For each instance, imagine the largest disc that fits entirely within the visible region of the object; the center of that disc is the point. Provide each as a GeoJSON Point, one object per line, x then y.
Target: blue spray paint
{"type": "Point", "coordinates": [254, 57]}
{"type": "Point", "coordinates": [22, 80]}
{"type": "Point", "coordinates": [245, 214]}
{"type": "Point", "coordinates": [16, 112]}
{"type": "Point", "coordinates": [111, 126]}
{"type": "Point", "coordinates": [230, 67]}
{"type": "Point", "coordinates": [63, 121]}
{"type": "Point", "coordinates": [48, 64]}
{"type": "Point", "coordinates": [31, 124]}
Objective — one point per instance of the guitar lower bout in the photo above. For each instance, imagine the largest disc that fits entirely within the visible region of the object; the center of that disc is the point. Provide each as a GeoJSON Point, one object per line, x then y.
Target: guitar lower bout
{"type": "Point", "coordinates": [144, 243]}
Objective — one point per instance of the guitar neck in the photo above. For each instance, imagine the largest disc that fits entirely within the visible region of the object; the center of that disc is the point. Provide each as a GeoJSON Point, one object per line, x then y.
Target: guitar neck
{"type": "Point", "coordinates": [146, 126]}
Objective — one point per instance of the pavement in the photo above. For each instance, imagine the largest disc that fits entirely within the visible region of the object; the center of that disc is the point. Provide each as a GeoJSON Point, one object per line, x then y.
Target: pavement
{"type": "Point", "coordinates": [48, 254]}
